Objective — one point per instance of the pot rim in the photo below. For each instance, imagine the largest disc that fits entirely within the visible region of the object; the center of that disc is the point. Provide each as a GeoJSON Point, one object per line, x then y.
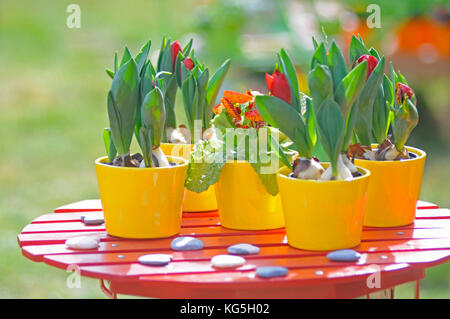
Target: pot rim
{"type": "Point", "coordinates": [182, 162]}
{"type": "Point", "coordinates": [281, 174]}
{"type": "Point", "coordinates": [417, 151]}
{"type": "Point", "coordinates": [167, 143]}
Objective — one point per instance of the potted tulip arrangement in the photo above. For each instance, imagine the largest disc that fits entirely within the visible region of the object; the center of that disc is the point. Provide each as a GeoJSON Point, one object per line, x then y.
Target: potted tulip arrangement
{"type": "Point", "coordinates": [323, 203]}
{"type": "Point", "coordinates": [396, 169]}
{"type": "Point", "coordinates": [241, 160]}
{"type": "Point", "coordinates": [141, 194]}
{"type": "Point", "coordinates": [199, 93]}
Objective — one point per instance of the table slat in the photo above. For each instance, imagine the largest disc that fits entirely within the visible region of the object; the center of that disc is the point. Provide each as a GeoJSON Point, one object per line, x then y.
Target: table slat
{"type": "Point", "coordinates": [96, 205]}
{"type": "Point", "coordinates": [62, 260]}
{"type": "Point", "coordinates": [129, 271]}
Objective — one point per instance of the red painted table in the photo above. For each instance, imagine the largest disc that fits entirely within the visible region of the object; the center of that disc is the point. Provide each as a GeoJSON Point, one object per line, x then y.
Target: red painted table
{"type": "Point", "coordinates": [396, 255]}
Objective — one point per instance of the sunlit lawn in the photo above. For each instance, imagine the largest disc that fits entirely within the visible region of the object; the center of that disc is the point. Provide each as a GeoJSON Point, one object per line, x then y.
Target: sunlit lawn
{"type": "Point", "coordinates": [53, 109]}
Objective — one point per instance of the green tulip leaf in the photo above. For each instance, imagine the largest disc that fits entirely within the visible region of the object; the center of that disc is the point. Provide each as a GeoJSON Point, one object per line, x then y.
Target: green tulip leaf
{"type": "Point", "coordinates": [153, 115]}
{"type": "Point", "coordinates": [319, 56]}
{"type": "Point", "coordinates": [110, 73]}
{"type": "Point", "coordinates": [406, 119]}
{"type": "Point", "coordinates": [213, 88]}
{"type": "Point", "coordinates": [357, 48]}
{"type": "Point", "coordinates": [364, 104]}
{"type": "Point", "coordinates": [290, 72]}
{"type": "Point", "coordinates": [142, 56]}
{"type": "Point", "coordinates": [109, 145]}
{"type": "Point", "coordinates": [146, 145]}
{"type": "Point", "coordinates": [125, 57]}
{"type": "Point", "coordinates": [350, 86]}
{"type": "Point", "coordinates": [336, 63]}
{"type": "Point", "coordinates": [122, 105]}
{"type": "Point", "coordinates": [283, 116]}
{"type": "Point", "coordinates": [320, 85]}
{"type": "Point", "coordinates": [331, 126]}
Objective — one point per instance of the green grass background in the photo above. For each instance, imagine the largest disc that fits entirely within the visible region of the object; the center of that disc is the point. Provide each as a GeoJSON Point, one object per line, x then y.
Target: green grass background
{"type": "Point", "coordinates": [52, 111]}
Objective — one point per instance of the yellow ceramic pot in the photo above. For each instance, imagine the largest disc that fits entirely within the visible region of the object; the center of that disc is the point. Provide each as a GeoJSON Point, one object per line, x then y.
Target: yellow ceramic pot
{"type": "Point", "coordinates": [193, 202]}
{"type": "Point", "coordinates": [393, 190]}
{"type": "Point", "coordinates": [142, 202]}
{"type": "Point", "coordinates": [243, 202]}
{"type": "Point", "coordinates": [323, 215]}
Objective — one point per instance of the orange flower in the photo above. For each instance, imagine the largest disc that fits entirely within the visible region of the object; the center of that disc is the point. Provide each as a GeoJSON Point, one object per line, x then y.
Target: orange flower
{"type": "Point", "coordinates": [233, 111]}
{"type": "Point", "coordinates": [241, 126]}
{"type": "Point", "coordinates": [237, 97]}
{"type": "Point", "coordinates": [253, 115]}
{"type": "Point", "coordinates": [218, 108]}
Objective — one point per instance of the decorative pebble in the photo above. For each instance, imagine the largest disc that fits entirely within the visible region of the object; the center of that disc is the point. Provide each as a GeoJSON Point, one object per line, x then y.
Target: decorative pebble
{"type": "Point", "coordinates": [82, 242]}
{"type": "Point", "coordinates": [227, 261]}
{"type": "Point", "coordinates": [155, 259]}
{"type": "Point", "coordinates": [93, 220]}
{"type": "Point", "coordinates": [243, 249]}
{"type": "Point", "coordinates": [271, 271]}
{"type": "Point", "coordinates": [186, 243]}
{"type": "Point", "coordinates": [344, 255]}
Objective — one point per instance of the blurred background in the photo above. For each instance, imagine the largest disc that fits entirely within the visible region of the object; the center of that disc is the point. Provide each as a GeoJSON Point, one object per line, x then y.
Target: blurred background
{"type": "Point", "coordinates": [53, 89]}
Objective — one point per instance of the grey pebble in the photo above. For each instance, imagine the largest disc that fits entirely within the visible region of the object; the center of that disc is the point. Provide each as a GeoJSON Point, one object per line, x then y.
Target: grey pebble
{"type": "Point", "coordinates": [186, 243]}
{"type": "Point", "coordinates": [93, 219]}
{"type": "Point", "coordinates": [344, 255]}
{"type": "Point", "coordinates": [271, 271]}
{"type": "Point", "coordinates": [155, 259]}
{"type": "Point", "coordinates": [243, 249]}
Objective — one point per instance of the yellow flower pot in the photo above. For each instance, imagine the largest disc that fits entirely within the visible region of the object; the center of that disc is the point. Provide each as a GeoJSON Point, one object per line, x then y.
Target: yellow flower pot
{"type": "Point", "coordinates": [193, 202]}
{"type": "Point", "coordinates": [243, 202]}
{"type": "Point", "coordinates": [142, 202]}
{"type": "Point", "coordinates": [323, 215]}
{"type": "Point", "coordinates": [394, 189]}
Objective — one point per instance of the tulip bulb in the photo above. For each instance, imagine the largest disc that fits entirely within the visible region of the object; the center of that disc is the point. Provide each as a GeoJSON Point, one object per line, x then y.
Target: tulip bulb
{"type": "Point", "coordinates": [307, 168]}
{"type": "Point", "coordinates": [159, 159]}
{"type": "Point", "coordinates": [393, 154]}
{"type": "Point", "coordinates": [350, 166]}
{"type": "Point", "coordinates": [175, 136]}
{"type": "Point", "coordinates": [344, 172]}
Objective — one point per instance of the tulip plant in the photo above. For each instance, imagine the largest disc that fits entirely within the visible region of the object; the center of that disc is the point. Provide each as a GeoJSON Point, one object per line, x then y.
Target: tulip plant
{"type": "Point", "coordinates": [236, 122]}
{"type": "Point", "coordinates": [199, 91]}
{"type": "Point", "coordinates": [291, 111]}
{"type": "Point", "coordinates": [136, 107]}
{"type": "Point", "coordinates": [391, 104]}
{"type": "Point", "coordinates": [183, 70]}
{"type": "Point", "coordinates": [336, 95]}
{"type": "Point", "coordinates": [168, 61]}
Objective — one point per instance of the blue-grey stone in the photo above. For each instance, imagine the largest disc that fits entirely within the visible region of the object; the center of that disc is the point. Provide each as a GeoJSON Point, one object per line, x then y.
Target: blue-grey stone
{"type": "Point", "coordinates": [155, 259]}
{"type": "Point", "coordinates": [344, 255]}
{"type": "Point", "coordinates": [243, 249]}
{"type": "Point", "coordinates": [271, 271]}
{"type": "Point", "coordinates": [93, 219]}
{"type": "Point", "coordinates": [186, 243]}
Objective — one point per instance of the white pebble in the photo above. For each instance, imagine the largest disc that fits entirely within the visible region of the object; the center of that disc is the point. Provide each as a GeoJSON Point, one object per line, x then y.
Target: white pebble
{"type": "Point", "coordinates": [155, 259]}
{"type": "Point", "coordinates": [82, 242]}
{"type": "Point", "coordinates": [227, 261]}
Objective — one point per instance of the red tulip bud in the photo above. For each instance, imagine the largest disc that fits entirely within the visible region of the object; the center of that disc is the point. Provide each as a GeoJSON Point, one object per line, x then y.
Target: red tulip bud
{"type": "Point", "coordinates": [175, 47]}
{"type": "Point", "coordinates": [402, 91]}
{"type": "Point", "coordinates": [371, 63]}
{"type": "Point", "coordinates": [188, 63]}
{"type": "Point", "coordinates": [279, 86]}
